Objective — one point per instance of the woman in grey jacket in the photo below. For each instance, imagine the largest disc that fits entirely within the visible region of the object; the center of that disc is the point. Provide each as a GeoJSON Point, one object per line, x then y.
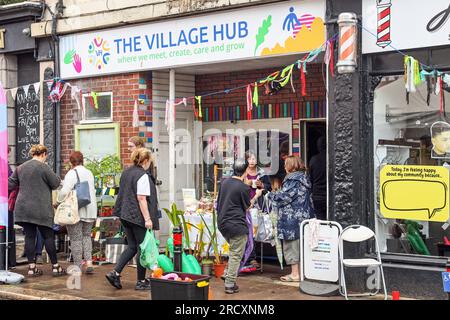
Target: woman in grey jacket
{"type": "Point", "coordinates": [80, 233]}
{"type": "Point", "coordinates": [33, 210]}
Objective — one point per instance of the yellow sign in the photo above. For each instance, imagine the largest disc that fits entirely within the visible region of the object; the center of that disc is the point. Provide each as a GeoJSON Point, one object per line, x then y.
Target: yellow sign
{"type": "Point", "coordinates": [414, 193]}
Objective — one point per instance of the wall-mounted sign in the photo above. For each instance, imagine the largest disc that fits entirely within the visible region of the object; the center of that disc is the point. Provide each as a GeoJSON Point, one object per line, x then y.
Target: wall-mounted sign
{"type": "Point", "coordinates": [27, 122]}
{"type": "Point", "coordinates": [405, 24]}
{"type": "Point", "coordinates": [246, 33]}
{"type": "Point", "coordinates": [415, 192]}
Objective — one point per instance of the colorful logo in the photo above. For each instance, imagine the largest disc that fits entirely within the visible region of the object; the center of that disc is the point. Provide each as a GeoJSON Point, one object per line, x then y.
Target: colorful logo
{"type": "Point", "coordinates": [72, 57]}
{"type": "Point", "coordinates": [303, 32]}
{"type": "Point", "coordinates": [99, 53]}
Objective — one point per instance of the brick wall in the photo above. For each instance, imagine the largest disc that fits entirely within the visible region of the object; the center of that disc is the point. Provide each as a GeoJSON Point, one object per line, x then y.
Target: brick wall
{"type": "Point", "coordinates": [216, 82]}
{"type": "Point", "coordinates": [126, 89]}
{"type": "Point", "coordinates": [285, 103]}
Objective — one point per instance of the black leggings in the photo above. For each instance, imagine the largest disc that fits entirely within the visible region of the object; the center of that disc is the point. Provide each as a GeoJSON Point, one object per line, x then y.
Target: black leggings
{"type": "Point", "coordinates": [47, 233]}
{"type": "Point", "coordinates": [135, 236]}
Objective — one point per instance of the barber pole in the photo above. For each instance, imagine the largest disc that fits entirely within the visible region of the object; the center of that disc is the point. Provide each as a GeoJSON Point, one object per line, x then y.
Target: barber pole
{"type": "Point", "coordinates": [347, 42]}
{"type": "Point", "coordinates": [383, 23]}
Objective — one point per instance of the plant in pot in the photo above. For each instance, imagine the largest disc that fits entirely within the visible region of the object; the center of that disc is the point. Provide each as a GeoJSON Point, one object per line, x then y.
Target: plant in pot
{"type": "Point", "coordinates": [219, 265]}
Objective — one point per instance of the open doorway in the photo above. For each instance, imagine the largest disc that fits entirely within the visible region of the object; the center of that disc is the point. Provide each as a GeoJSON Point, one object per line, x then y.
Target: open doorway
{"type": "Point", "coordinates": [310, 132]}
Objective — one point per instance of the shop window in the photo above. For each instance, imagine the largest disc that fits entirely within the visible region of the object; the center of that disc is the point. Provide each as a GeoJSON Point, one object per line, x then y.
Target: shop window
{"type": "Point", "coordinates": [223, 149]}
{"type": "Point", "coordinates": [96, 141]}
{"type": "Point", "coordinates": [100, 112]}
{"type": "Point", "coordinates": [410, 155]}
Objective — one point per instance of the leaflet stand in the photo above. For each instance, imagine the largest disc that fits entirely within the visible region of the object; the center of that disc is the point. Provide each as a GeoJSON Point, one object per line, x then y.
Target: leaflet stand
{"type": "Point", "coordinates": [6, 276]}
{"type": "Point", "coordinates": [319, 271]}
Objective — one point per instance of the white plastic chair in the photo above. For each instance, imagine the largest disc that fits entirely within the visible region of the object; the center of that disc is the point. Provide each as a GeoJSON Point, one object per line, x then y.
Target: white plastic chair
{"type": "Point", "coordinates": [357, 233]}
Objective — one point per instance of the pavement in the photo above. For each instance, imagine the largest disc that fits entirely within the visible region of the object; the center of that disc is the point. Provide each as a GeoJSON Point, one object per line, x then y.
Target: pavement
{"type": "Point", "coordinates": [254, 286]}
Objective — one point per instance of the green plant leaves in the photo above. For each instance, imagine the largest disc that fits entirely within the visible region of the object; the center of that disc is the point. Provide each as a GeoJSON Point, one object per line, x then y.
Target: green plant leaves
{"type": "Point", "coordinates": [262, 32]}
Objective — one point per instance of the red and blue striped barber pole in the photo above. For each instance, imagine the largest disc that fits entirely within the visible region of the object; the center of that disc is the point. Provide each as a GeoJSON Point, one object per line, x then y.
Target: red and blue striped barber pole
{"type": "Point", "coordinates": [3, 160]}
{"type": "Point", "coordinates": [383, 23]}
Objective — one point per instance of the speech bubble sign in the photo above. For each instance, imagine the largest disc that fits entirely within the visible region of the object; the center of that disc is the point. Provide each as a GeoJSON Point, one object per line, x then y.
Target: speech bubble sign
{"type": "Point", "coordinates": [416, 201]}
{"type": "Point", "coordinates": [414, 192]}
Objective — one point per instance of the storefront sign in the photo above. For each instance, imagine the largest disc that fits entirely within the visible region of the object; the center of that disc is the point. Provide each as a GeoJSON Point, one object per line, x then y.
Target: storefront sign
{"type": "Point", "coordinates": [322, 262]}
{"type": "Point", "coordinates": [3, 160]}
{"type": "Point", "coordinates": [405, 24]}
{"type": "Point", "coordinates": [279, 29]}
{"type": "Point", "coordinates": [414, 192]}
{"type": "Point", "coordinates": [27, 122]}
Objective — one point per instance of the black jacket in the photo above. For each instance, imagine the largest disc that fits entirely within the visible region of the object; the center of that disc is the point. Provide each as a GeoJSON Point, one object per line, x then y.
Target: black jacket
{"type": "Point", "coordinates": [127, 205]}
{"type": "Point", "coordinates": [318, 175]}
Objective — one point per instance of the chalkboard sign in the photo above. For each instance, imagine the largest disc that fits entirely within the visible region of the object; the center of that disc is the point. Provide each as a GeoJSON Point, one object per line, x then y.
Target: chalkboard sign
{"type": "Point", "coordinates": [27, 121]}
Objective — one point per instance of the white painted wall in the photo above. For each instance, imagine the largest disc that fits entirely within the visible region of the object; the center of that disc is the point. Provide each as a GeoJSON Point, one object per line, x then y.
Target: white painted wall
{"type": "Point", "coordinates": [83, 15]}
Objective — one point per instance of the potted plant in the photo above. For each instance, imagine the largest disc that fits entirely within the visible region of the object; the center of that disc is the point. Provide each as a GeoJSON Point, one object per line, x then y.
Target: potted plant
{"type": "Point", "coordinates": [219, 265]}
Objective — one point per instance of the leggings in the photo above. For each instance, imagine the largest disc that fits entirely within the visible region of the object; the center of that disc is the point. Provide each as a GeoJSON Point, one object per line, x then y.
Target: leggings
{"type": "Point", "coordinates": [80, 241]}
{"type": "Point", "coordinates": [30, 241]}
{"type": "Point", "coordinates": [135, 236]}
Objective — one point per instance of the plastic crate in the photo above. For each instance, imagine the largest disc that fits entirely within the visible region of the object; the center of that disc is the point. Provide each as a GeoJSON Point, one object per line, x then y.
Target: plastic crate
{"type": "Point", "coordinates": [163, 289]}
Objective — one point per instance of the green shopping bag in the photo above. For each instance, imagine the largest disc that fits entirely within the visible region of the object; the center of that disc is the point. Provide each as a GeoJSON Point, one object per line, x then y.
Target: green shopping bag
{"type": "Point", "coordinates": [149, 251]}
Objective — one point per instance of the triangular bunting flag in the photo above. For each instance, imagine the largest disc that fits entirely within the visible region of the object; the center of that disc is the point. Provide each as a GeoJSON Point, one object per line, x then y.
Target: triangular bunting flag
{"type": "Point", "coordinates": [14, 93]}
{"type": "Point", "coordinates": [26, 88]}
{"type": "Point", "coordinates": [37, 87]}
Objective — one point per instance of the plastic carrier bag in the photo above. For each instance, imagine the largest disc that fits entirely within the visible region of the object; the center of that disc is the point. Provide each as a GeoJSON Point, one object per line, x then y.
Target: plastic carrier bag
{"type": "Point", "coordinates": [149, 250]}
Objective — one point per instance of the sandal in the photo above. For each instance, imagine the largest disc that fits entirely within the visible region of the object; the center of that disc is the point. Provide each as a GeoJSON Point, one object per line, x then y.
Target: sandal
{"type": "Point", "coordinates": [289, 278]}
{"type": "Point", "coordinates": [35, 272]}
{"type": "Point", "coordinates": [58, 271]}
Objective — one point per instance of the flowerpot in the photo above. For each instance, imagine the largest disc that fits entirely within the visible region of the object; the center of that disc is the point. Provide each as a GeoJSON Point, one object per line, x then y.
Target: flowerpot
{"type": "Point", "coordinates": [219, 269]}
{"type": "Point", "coordinates": [207, 268]}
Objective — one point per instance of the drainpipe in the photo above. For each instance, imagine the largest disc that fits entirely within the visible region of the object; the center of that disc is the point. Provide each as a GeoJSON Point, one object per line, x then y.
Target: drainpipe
{"type": "Point", "coordinates": [59, 12]}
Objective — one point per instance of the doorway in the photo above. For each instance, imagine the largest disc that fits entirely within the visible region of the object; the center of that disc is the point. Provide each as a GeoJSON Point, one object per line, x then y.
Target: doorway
{"type": "Point", "coordinates": [310, 132]}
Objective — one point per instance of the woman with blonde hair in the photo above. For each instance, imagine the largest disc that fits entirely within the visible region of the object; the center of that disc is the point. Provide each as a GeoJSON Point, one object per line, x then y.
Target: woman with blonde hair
{"type": "Point", "coordinates": [294, 204]}
{"type": "Point", "coordinates": [33, 210]}
{"type": "Point", "coordinates": [135, 206]}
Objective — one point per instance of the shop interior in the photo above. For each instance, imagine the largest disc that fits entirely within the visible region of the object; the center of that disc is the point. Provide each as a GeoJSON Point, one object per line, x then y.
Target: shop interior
{"type": "Point", "coordinates": [402, 136]}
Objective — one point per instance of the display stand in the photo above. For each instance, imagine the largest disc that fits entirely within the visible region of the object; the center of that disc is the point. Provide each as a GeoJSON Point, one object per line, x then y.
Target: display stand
{"type": "Point", "coordinates": [101, 220]}
{"type": "Point", "coordinates": [319, 271]}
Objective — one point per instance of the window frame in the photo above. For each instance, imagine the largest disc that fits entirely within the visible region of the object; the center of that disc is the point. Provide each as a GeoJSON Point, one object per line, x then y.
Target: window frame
{"type": "Point", "coordinates": [103, 120]}
{"type": "Point", "coordinates": [115, 126]}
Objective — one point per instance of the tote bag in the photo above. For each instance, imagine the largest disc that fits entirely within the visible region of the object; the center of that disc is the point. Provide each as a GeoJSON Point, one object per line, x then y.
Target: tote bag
{"type": "Point", "coordinates": [67, 212]}
{"type": "Point", "coordinates": [83, 193]}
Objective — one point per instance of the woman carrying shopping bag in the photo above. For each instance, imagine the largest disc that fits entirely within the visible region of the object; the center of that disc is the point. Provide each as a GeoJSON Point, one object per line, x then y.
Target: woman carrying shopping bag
{"type": "Point", "coordinates": [33, 209]}
{"type": "Point", "coordinates": [135, 208]}
{"type": "Point", "coordinates": [294, 204]}
{"type": "Point", "coordinates": [80, 233]}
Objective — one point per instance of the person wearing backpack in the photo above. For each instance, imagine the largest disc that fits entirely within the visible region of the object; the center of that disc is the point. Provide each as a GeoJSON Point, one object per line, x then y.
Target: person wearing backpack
{"type": "Point", "coordinates": [294, 205]}
{"type": "Point", "coordinates": [80, 233]}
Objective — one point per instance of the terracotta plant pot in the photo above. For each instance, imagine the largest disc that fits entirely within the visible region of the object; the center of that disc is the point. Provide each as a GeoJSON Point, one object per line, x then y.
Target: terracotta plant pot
{"type": "Point", "coordinates": [219, 269]}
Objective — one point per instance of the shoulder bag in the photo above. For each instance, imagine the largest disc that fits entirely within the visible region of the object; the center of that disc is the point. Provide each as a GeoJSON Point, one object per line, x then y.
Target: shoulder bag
{"type": "Point", "coordinates": [67, 212]}
{"type": "Point", "coordinates": [83, 193]}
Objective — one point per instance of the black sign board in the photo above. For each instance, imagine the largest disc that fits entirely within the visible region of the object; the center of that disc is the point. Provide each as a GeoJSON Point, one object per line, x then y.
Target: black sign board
{"type": "Point", "coordinates": [27, 121]}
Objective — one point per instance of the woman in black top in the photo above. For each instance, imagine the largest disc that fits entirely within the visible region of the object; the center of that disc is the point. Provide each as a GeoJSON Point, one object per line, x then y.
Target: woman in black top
{"type": "Point", "coordinates": [135, 206]}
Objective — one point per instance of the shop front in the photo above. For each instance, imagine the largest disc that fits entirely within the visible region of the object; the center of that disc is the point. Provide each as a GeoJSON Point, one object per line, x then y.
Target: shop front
{"type": "Point", "coordinates": [409, 82]}
{"type": "Point", "coordinates": [121, 87]}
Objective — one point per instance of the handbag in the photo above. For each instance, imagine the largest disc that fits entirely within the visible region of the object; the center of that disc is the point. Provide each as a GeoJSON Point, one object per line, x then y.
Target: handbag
{"type": "Point", "coordinates": [12, 197]}
{"type": "Point", "coordinates": [264, 232]}
{"type": "Point", "coordinates": [83, 193]}
{"type": "Point", "coordinates": [67, 211]}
